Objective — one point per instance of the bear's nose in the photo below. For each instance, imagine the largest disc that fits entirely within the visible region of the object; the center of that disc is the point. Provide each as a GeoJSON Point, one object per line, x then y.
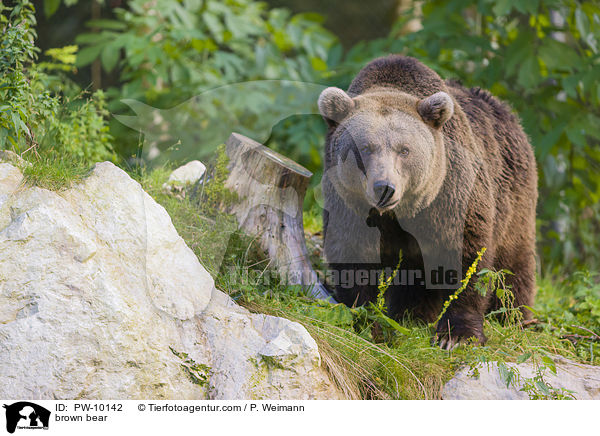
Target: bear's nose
{"type": "Point", "coordinates": [383, 191]}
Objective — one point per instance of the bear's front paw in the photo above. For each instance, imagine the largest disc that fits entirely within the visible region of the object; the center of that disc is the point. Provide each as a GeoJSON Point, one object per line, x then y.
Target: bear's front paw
{"type": "Point", "coordinates": [452, 331]}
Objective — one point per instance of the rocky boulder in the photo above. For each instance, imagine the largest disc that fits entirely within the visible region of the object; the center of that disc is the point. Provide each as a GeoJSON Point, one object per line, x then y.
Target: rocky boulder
{"type": "Point", "coordinates": [572, 379]}
{"type": "Point", "coordinates": [100, 298]}
{"type": "Point", "coordinates": [185, 176]}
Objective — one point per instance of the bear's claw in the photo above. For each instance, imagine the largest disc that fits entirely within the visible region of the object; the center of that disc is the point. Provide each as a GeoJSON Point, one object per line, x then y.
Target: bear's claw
{"type": "Point", "coordinates": [450, 334]}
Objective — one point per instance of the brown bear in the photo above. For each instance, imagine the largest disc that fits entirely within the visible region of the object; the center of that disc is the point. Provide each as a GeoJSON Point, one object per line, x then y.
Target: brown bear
{"type": "Point", "coordinates": [422, 166]}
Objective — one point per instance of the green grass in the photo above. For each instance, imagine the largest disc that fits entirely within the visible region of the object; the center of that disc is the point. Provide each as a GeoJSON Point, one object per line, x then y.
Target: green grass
{"type": "Point", "coordinates": [405, 366]}
{"type": "Point", "coordinates": [569, 307]}
{"type": "Point", "coordinates": [54, 172]}
{"type": "Point", "coordinates": [364, 356]}
{"type": "Point", "coordinates": [313, 221]}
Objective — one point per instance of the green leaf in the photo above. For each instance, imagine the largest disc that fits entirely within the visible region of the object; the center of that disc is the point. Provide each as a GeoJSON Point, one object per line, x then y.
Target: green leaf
{"type": "Point", "coordinates": [570, 84]}
{"type": "Point", "coordinates": [543, 388]}
{"type": "Point", "coordinates": [497, 312]}
{"type": "Point", "coordinates": [335, 55]}
{"type": "Point", "coordinates": [582, 23]}
{"type": "Point", "coordinates": [93, 38]}
{"type": "Point", "coordinates": [517, 52]}
{"type": "Point", "coordinates": [557, 55]}
{"type": "Point", "coordinates": [576, 135]}
{"type": "Point", "coordinates": [110, 57]}
{"type": "Point", "coordinates": [521, 6]}
{"type": "Point", "coordinates": [88, 55]}
{"type": "Point", "coordinates": [531, 309]}
{"type": "Point", "coordinates": [529, 73]}
{"type": "Point", "coordinates": [531, 6]}
{"type": "Point", "coordinates": [308, 16]}
{"type": "Point", "coordinates": [214, 26]}
{"type": "Point", "coordinates": [549, 363]}
{"type": "Point", "coordinates": [544, 146]}
{"type": "Point", "coordinates": [506, 375]}
{"type": "Point", "coordinates": [338, 314]}
{"type": "Point", "coordinates": [502, 7]}
{"type": "Point", "coordinates": [389, 321]}
{"type": "Point", "coordinates": [107, 24]}
{"type": "Point", "coordinates": [50, 7]}
{"type": "Point", "coordinates": [500, 294]}
{"type": "Point", "coordinates": [393, 324]}
{"type": "Point", "coordinates": [318, 64]}
{"type": "Point", "coordinates": [524, 357]}
{"type": "Point", "coordinates": [240, 26]}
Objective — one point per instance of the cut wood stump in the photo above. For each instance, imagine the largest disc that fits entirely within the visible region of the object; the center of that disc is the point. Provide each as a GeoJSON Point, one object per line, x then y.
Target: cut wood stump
{"type": "Point", "coordinates": [270, 190]}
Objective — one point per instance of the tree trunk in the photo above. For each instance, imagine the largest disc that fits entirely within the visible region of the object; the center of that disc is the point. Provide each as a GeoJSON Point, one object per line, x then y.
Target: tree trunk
{"type": "Point", "coordinates": [271, 190]}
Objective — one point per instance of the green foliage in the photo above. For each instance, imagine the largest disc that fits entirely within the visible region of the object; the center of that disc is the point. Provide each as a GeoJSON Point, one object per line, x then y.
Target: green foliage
{"type": "Point", "coordinates": [313, 221]}
{"type": "Point", "coordinates": [569, 308]}
{"type": "Point", "coordinates": [536, 387]}
{"type": "Point", "coordinates": [51, 6]}
{"type": "Point", "coordinates": [63, 59]}
{"type": "Point", "coordinates": [169, 51]}
{"type": "Point", "coordinates": [17, 50]}
{"type": "Point", "coordinates": [495, 282]}
{"type": "Point", "coordinates": [40, 113]}
{"type": "Point", "coordinates": [214, 196]}
{"type": "Point", "coordinates": [376, 312]}
{"type": "Point", "coordinates": [542, 57]}
{"type": "Point", "coordinates": [177, 48]}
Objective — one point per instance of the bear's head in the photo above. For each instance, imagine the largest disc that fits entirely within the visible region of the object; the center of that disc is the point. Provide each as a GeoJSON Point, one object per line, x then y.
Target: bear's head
{"type": "Point", "coordinates": [386, 147]}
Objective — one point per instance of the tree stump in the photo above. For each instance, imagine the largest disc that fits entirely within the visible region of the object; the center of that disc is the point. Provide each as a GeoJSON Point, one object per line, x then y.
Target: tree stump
{"type": "Point", "coordinates": [271, 189]}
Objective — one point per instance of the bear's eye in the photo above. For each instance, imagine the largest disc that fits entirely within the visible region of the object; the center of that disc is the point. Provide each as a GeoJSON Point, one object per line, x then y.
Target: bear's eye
{"type": "Point", "coordinates": [366, 148]}
{"type": "Point", "coordinates": [404, 151]}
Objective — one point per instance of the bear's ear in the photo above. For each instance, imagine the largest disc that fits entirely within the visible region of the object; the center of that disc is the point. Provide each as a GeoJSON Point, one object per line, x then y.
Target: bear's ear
{"type": "Point", "coordinates": [436, 109]}
{"type": "Point", "coordinates": [334, 105]}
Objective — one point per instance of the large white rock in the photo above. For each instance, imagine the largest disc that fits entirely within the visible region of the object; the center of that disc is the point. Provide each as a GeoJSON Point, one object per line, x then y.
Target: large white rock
{"type": "Point", "coordinates": [100, 298]}
{"type": "Point", "coordinates": [185, 175]}
{"type": "Point", "coordinates": [10, 180]}
{"type": "Point", "coordinates": [583, 381]}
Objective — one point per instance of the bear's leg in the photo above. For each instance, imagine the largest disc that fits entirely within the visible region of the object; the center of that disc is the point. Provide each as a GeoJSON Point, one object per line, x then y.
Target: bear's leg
{"type": "Point", "coordinates": [353, 284]}
{"type": "Point", "coordinates": [463, 319]}
{"type": "Point", "coordinates": [351, 248]}
{"type": "Point", "coordinates": [522, 280]}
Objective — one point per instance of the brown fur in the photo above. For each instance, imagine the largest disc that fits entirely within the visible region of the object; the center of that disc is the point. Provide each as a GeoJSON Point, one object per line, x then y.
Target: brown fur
{"type": "Point", "coordinates": [488, 172]}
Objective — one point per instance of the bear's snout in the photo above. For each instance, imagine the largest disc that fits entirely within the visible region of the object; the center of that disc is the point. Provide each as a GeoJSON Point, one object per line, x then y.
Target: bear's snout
{"type": "Point", "coordinates": [384, 191]}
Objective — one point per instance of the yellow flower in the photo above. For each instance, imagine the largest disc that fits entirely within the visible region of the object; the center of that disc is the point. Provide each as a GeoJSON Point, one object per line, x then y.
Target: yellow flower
{"type": "Point", "coordinates": [464, 283]}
